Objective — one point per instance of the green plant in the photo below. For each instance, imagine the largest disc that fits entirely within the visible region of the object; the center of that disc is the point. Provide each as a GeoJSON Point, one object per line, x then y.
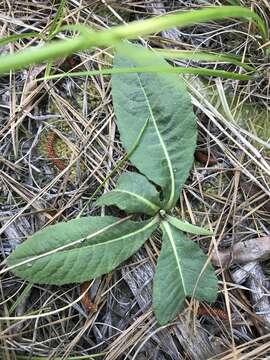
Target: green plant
{"type": "Point", "coordinates": [88, 38]}
{"type": "Point", "coordinates": [153, 110]}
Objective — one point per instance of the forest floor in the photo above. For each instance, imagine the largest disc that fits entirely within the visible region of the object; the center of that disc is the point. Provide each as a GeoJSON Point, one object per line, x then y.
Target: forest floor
{"type": "Point", "coordinates": [59, 141]}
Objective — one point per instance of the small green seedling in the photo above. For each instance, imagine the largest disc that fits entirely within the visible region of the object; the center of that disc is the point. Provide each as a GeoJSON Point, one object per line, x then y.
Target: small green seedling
{"type": "Point", "coordinates": [156, 108]}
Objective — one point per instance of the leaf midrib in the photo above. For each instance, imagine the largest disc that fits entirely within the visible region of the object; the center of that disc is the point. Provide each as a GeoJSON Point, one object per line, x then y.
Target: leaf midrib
{"type": "Point", "coordinates": [141, 198]}
{"type": "Point", "coordinates": [166, 227]}
{"type": "Point", "coordinates": [124, 236]}
{"type": "Point", "coordinates": [171, 198]}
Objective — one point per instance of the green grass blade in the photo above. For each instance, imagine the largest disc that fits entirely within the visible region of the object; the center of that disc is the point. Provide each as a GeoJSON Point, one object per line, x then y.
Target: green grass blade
{"type": "Point", "coordinates": [53, 50]}
{"type": "Point", "coordinates": [155, 69]}
{"type": "Point", "coordinates": [46, 53]}
{"type": "Point", "coordinates": [21, 297]}
{"type": "Point", "coordinates": [108, 37]}
{"type": "Point", "coordinates": [150, 26]}
{"type": "Point", "coordinates": [204, 56]}
{"type": "Point", "coordinates": [15, 37]}
{"type": "Point", "coordinates": [57, 21]}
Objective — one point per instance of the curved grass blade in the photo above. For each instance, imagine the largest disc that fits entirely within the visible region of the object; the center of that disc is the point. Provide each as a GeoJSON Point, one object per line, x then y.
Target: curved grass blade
{"type": "Point", "coordinates": [181, 272]}
{"type": "Point", "coordinates": [45, 53]}
{"type": "Point", "coordinates": [112, 36]}
{"type": "Point", "coordinates": [186, 227]}
{"type": "Point", "coordinates": [79, 250]}
{"type": "Point", "coordinates": [134, 194]}
{"type": "Point", "coordinates": [187, 18]}
{"type": "Point", "coordinates": [165, 154]}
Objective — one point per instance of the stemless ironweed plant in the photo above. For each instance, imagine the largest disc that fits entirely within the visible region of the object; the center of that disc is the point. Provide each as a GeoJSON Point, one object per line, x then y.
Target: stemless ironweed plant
{"type": "Point", "coordinates": [158, 129]}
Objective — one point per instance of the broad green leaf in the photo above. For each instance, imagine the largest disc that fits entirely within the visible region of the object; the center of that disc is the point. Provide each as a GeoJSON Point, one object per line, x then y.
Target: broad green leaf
{"type": "Point", "coordinates": [180, 273]}
{"type": "Point", "coordinates": [134, 194]}
{"type": "Point", "coordinates": [79, 250]}
{"type": "Point", "coordinates": [165, 154]}
{"type": "Point", "coordinates": [187, 227]}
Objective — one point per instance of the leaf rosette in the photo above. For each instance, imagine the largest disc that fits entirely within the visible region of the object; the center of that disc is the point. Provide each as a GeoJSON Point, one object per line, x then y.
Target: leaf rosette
{"type": "Point", "coordinates": [155, 108]}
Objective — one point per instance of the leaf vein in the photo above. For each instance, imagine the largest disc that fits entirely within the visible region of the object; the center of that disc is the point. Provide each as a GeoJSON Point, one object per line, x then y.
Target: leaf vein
{"type": "Point", "coordinates": [141, 198]}
{"type": "Point", "coordinates": [170, 236]}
